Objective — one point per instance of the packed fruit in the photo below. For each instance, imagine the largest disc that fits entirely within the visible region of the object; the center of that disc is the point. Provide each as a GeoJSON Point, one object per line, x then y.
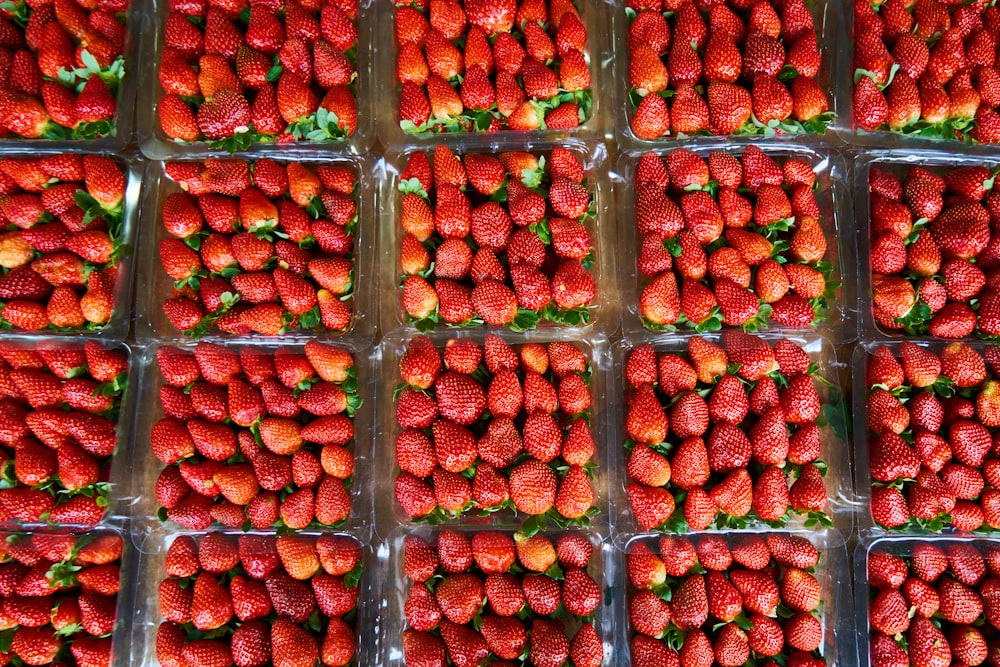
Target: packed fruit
{"type": "Point", "coordinates": [494, 428]}
{"type": "Point", "coordinates": [723, 601]}
{"type": "Point", "coordinates": [61, 251]}
{"type": "Point", "coordinates": [498, 596]}
{"type": "Point", "coordinates": [927, 68]}
{"type": "Point", "coordinates": [737, 67]}
{"type": "Point", "coordinates": [260, 247]}
{"type": "Point", "coordinates": [59, 413]}
{"type": "Point", "coordinates": [59, 596]}
{"type": "Point", "coordinates": [499, 240]}
{"type": "Point", "coordinates": [730, 240]}
{"type": "Point", "coordinates": [61, 65]}
{"type": "Point", "coordinates": [234, 74]}
{"type": "Point", "coordinates": [256, 437]}
{"type": "Point", "coordinates": [934, 258]}
{"type": "Point", "coordinates": [933, 417]}
{"type": "Point", "coordinates": [491, 65]}
{"type": "Point", "coordinates": [714, 436]}
{"type": "Point", "coordinates": [255, 600]}
{"type": "Point", "coordinates": [933, 603]}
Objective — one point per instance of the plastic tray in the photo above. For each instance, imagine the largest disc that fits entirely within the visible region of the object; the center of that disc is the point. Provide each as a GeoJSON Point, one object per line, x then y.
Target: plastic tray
{"type": "Point", "coordinates": [847, 130]}
{"type": "Point", "coordinates": [900, 546]}
{"type": "Point", "coordinates": [603, 311]}
{"type": "Point", "coordinates": [147, 467]}
{"type": "Point", "coordinates": [117, 328]}
{"type": "Point", "coordinates": [146, 613]}
{"type": "Point", "coordinates": [396, 585]}
{"type": "Point", "coordinates": [119, 463]}
{"type": "Point", "coordinates": [392, 136]}
{"type": "Point", "coordinates": [827, 19]}
{"type": "Point", "coordinates": [152, 324]}
{"type": "Point", "coordinates": [388, 512]}
{"type": "Point", "coordinates": [863, 481]}
{"type": "Point", "coordinates": [136, 26]}
{"type": "Point", "coordinates": [832, 572]}
{"type": "Point", "coordinates": [835, 449]}
{"type": "Point", "coordinates": [121, 635]}
{"type": "Point", "coordinates": [832, 196]}
{"type": "Point", "coordinates": [897, 161]}
{"type": "Point", "coordinates": [157, 146]}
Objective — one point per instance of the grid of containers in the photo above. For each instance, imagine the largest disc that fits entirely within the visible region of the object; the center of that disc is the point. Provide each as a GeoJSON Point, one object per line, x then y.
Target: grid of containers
{"type": "Point", "coordinates": [885, 562]}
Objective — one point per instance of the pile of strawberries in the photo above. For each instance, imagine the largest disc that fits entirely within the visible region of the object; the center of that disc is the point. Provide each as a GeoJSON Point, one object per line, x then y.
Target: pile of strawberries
{"type": "Point", "coordinates": [730, 240]}
{"type": "Point", "coordinates": [59, 597]}
{"type": "Point", "coordinates": [60, 68]}
{"type": "Point", "coordinates": [259, 599]}
{"type": "Point", "coordinates": [939, 604]}
{"type": "Point", "coordinates": [500, 596]}
{"type": "Point", "coordinates": [494, 428]}
{"type": "Point", "coordinates": [259, 247]}
{"type": "Point", "coordinates": [737, 67]}
{"type": "Point", "coordinates": [59, 408]}
{"type": "Point", "coordinates": [491, 65]}
{"type": "Point", "coordinates": [717, 600]}
{"type": "Point", "coordinates": [742, 422]}
{"type": "Point", "coordinates": [61, 250]}
{"type": "Point", "coordinates": [497, 240]}
{"type": "Point", "coordinates": [933, 417]}
{"type": "Point", "coordinates": [934, 258]}
{"type": "Point", "coordinates": [234, 73]}
{"type": "Point", "coordinates": [927, 68]}
{"type": "Point", "coordinates": [255, 436]}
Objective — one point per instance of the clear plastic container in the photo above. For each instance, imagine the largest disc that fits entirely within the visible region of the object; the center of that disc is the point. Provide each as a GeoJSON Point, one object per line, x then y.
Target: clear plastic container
{"type": "Point", "coordinates": [125, 98]}
{"type": "Point", "coordinates": [152, 324]}
{"type": "Point", "coordinates": [897, 161]}
{"type": "Point", "coordinates": [117, 328]}
{"type": "Point", "coordinates": [863, 440]}
{"type": "Point", "coordinates": [899, 546]}
{"type": "Point", "coordinates": [396, 586]}
{"type": "Point", "coordinates": [115, 469]}
{"type": "Point", "coordinates": [832, 195]}
{"type": "Point", "coordinates": [827, 19]}
{"type": "Point", "coordinates": [388, 511]}
{"type": "Point", "coordinates": [848, 131]}
{"type": "Point", "coordinates": [146, 616]}
{"type": "Point", "coordinates": [392, 136]}
{"type": "Point", "coordinates": [833, 421]}
{"type": "Point", "coordinates": [156, 145]}
{"type": "Point", "coordinates": [603, 308]}
{"type": "Point", "coordinates": [832, 571]}
{"type": "Point", "coordinates": [145, 507]}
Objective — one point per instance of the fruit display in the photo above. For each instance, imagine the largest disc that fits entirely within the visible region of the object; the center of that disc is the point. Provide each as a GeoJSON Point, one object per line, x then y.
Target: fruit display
{"type": "Point", "coordinates": [726, 434]}
{"type": "Point", "coordinates": [61, 68]}
{"type": "Point", "coordinates": [729, 601]}
{"type": "Point", "coordinates": [738, 67]}
{"type": "Point", "coordinates": [59, 596]}
{"type": "Point", "coordinates": [931, 413]}
{"type": "Point", "coordinates": [733, 240]}
{"type": "Point", "coordinates": [474, 596]}
{"type": "Point", "coordinates": [929, 602]}
{"type": "Point", "coordinates": [233, 75]}
{"type": "Point", "coordinates": [253, 437]}
{"type": "Point", "coordinates": [496, 240]}
{"type": "Point", "coordinates": [491, 66]}
{"type": "Point", "coordinates": [60, 425]}
{"type": "Point", "coordinates": [492, 427]}
{"type": "Point", "coordinates": [258, 247]}
{"type": "Point", "coordinates": [63, 248]}
{"type": "Point", "coordinates": [254, 599]}
{"type": "Point", "coordinates": [927, 69]}
{"type": "Point", "coordinates": [933, 257]}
